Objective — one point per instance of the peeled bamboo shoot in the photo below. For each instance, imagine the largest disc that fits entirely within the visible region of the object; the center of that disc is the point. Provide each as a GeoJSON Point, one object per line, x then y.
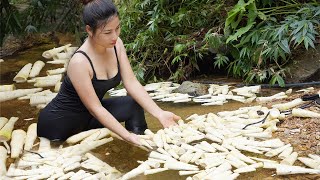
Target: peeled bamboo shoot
{"type": "Point", "coordinates": [36, 68]}
{"type": "Point", "coordinates": [17, 141]}
{"type": "Point", "coordinates": [3, 121]}
{"type": "Point", "coordinates": [23, 74]}
{"type": "Point", "coordinates": [3, 159]}
{"type": "Point", "coordinates": [52, 52]}
{"type": "Point", "coordinates": [5, 132]}
{"type": "Point", "coordinates": [56, 71]}
{"type": "Point", "coordinates": [9, 95]}
{"type": "Point", "coordinates": [297, 112]}
{"type": "Point", "coordinates": [31, 136]}
{"type": "Point", "coordinates": [10, 87]}
{"type": "Point", "coordinates": [310, 162]}
{"type": "Point", "coordinates": [80, 136]}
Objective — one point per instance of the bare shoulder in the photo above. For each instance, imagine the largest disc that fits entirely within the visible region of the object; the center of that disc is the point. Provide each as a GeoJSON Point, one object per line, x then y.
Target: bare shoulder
{"type": "Point", "coordinates": [78, 59]}
{"type": "Point", "coordinates": [78, 64]}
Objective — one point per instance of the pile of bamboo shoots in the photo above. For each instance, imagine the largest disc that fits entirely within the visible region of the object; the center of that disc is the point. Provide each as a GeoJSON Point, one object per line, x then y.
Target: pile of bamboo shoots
{"type": "Point", "coordinates": [60, 55]}
{"type": "Point", "coordinates": [13, 94]}
{"type": "Point", "coordinates": [214, 146]}
{"type": "Point", "coordinates": [29, 70]}
{"type": "Point", "coordinates": [37, 97]}
{"type": "Point", "coordinates": [218, 95]}
{"type": "Point", "coordinates": [71, 162]}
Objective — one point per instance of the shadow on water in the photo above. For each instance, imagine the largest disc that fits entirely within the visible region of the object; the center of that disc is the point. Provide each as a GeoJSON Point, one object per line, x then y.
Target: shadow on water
{"type": "Point", "coordinates": [121, 155]}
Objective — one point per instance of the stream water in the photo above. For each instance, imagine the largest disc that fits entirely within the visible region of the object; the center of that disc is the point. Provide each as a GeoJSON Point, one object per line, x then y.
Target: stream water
{"type": "Point", "coordinates": [119, 154]}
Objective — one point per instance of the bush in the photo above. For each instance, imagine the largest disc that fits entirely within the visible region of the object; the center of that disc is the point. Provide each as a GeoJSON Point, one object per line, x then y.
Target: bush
{"type": "Point", "coordinates": [166, 37]}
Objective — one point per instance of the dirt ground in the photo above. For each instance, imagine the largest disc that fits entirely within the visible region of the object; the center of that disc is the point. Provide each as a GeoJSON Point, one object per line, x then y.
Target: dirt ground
{"type": "Point", "coordinates": [302, 133]}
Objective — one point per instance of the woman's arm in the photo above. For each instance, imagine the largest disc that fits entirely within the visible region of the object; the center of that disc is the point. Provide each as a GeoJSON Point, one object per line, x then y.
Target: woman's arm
{"type": "Point", "coordinates": [138, 93]}
{"type": "Point", "coordinates": [80, 73]}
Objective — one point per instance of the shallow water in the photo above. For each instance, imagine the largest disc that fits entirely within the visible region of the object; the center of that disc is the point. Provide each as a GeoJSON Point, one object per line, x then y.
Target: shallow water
{"type": "Point", "coordinates": [119, 154]}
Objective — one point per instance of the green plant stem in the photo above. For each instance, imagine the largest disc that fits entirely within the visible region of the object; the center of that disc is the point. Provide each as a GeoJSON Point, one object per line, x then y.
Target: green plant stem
{"type": "Point", "coordinates": [288, 12]}
{"type": "Point", "coordinates": [279, 7]}
{"type": "Point", "coordinates": [286, 2]}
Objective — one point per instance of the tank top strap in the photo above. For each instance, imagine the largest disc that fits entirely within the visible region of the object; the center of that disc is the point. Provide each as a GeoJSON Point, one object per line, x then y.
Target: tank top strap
{"type": "Point", "coordinates": [86, 55]}
{"type": "Point", "coordinates": [115, 50]}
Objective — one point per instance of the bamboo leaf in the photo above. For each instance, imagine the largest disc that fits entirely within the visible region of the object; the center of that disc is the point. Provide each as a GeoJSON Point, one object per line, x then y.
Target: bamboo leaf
{"type": "Point", "coordinates": [240, 32]}
{"type": "Point", "coordinates": [285, 46]}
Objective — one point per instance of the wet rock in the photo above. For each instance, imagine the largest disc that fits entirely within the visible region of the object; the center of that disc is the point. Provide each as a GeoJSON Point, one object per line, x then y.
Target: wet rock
{"type": "Point", "coordinates": [193, 89]}
{"type": "Point", "coordinates": [13, 44]}
{"type": "Point", "coordinates": [305, 66]}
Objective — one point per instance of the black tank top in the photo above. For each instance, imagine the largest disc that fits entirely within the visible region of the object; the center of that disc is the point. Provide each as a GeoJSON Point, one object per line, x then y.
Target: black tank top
{"type": "Point", "coordinates": [68, 98]}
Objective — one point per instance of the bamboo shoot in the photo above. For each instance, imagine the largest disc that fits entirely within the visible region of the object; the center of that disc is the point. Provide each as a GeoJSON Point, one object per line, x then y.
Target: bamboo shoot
{"type": "Point", "coordinates": [80, 136]}
{"type": "Point", "coordinates": [3, 159]}
{"type": "Point", "coordinates": [31, 136]}
{"type": "Point", "coordinates": [52, 52]}
{"type": "Point", "coordinates": [10, 87]}
{"type": "Point", "coordinates": [3, 121]}
{"type": "Point", "coordinates": [23, 74]}
{"type": "Point", "coordinates": [36, 68]}
{"type": "Point", "coordinates": [297, 112]}
{"type": "Point", "coordinates": [5, 132]}
{"type": "Point", "coordinates": [17, 141]}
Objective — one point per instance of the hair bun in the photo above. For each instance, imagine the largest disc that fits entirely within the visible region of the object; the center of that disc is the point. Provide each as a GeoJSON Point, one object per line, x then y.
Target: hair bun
{"type": "Point", "coordinates": [86, 1]}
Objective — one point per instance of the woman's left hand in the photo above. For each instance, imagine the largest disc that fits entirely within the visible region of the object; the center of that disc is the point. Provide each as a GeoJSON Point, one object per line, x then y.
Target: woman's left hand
{"type": "Point", "coordinates": [167, 119]}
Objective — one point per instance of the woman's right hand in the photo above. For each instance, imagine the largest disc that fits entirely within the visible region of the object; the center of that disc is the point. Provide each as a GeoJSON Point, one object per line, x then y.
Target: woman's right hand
{"type": "Point", "coordinates": [134, 139]}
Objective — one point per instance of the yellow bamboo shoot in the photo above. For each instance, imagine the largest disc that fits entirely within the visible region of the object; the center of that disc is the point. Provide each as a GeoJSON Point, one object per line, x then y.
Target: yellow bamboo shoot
{"type": "Point", "coordinates": [23, 74]}
{"type": "Point", "coordinates": [9, 87]}
{"type": "Point", "coordinates": [5, 132]}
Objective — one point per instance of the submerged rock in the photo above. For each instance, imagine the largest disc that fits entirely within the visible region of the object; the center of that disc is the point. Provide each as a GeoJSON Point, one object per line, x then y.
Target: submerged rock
{"type": "Point", "coordinates": [193, 89]}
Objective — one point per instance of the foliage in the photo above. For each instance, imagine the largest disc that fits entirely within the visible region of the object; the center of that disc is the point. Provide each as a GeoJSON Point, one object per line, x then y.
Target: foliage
{"type": "Point", "coordinates": [261, 40]}
{"type": "Point", "coordinates": [10, 21]}
{"type": "Point", "coordinates": [166, 37]}
{"type": "Point", "coordinates": [253, 41]}
{"type": "Point", "coordinates": [40, 16]}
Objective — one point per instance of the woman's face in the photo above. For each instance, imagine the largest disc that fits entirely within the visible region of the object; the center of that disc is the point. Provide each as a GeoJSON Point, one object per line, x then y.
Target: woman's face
{"type": "Point", "coordinates": [107, 35]}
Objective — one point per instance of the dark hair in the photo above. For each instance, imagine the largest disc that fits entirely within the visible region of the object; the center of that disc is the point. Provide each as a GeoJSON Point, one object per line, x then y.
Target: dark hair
{"type": "Point", "coordinates": [97, 13]}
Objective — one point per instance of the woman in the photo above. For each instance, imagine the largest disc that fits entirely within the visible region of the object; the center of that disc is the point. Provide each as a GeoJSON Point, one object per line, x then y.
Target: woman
{"type": "Point", "coordinates": [99, 65]}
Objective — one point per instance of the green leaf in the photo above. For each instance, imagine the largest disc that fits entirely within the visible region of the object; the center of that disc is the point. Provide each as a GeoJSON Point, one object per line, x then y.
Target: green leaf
{"type": "Point", "coordinates": [240, 32]}
{"type": "Point", "coordinates": [178, 48]}
{"type": "Point", "coordinates": [276, 78]}
{"type": "Point", "coordinates": [220, 60]}
{"type": "Point", "coordinates": [285, 46]}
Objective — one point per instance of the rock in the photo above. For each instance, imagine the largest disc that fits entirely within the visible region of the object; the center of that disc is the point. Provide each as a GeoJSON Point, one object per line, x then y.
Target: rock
{"type": "Point", "coordinates": [305, 66]}
{"type": "Point", "coordinates": [193, 89]}
{"type": "Point", "coordinates": [13, 44]}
